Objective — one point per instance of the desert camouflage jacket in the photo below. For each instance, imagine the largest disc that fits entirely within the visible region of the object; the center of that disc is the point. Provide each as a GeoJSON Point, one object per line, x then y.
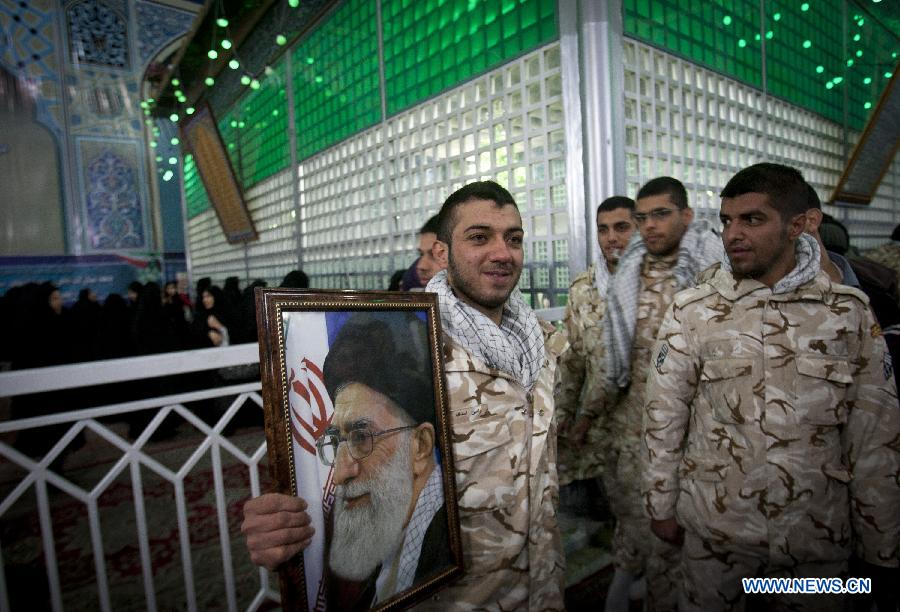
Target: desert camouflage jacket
{"type": "Point", "coordinates": [772, 421]}
{"type": "Point", "coordinates": [504, 447]}
{"type": "Point", "coordinates": [581, 381]}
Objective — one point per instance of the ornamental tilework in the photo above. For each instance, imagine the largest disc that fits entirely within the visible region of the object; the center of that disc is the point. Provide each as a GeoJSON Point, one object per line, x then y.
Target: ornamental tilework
{"type": "Point", "coordinates": [98, 34]}
{"type": "Point", "coordinates": [27, 34]}
{"type": "Point", "coordinates": [157, 26]}
{"type": "Point", "coordinates": [113, 194]}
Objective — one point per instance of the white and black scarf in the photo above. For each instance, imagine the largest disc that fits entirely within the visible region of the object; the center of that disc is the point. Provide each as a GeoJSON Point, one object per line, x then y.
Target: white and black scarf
{"type": "Point", "coordinates": [515, 347]}
{"type": "Point", "coordinates": [699, 249]}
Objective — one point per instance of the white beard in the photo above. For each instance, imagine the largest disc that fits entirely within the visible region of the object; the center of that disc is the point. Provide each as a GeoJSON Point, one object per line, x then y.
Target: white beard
{"type": "Point", "coordinates": [363, 537]}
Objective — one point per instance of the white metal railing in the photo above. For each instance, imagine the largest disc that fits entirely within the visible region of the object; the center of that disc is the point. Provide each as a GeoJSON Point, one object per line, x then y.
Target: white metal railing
{"type": "Point", "coordinates": [137, 458]}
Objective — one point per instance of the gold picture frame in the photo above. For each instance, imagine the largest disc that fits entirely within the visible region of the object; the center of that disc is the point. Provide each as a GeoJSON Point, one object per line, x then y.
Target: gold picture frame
{"type": "Point", "coordinates": [355, 378]}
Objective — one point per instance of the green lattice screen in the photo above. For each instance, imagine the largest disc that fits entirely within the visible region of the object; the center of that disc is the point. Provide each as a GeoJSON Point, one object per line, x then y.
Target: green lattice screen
{"type": "Point", "coordinates": [431, 45]}
{"type": "Point", "coordinates": [230, 127]}
{"type": "Point", "coordinates": [265, 147]}
{"type": "Point", "coordinates": [804, 47]}
{"type": "Point", "coordinates": [336, 88]}
{"type": "Point", "coordinates": [196, 200]}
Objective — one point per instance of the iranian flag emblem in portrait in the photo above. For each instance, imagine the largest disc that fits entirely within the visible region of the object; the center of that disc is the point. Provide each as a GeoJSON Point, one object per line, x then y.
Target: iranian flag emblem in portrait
{"type": "Point", "coordinates": [308, 336]}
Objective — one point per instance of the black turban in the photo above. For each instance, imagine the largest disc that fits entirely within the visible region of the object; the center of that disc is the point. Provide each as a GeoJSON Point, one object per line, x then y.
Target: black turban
{"type": "Point", "coordinates": [387, 352]}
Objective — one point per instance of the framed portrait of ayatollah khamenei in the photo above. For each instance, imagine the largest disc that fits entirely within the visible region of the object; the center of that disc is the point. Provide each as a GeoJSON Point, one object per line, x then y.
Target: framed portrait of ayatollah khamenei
{"type": "Point", "coordinates": [357, 425]}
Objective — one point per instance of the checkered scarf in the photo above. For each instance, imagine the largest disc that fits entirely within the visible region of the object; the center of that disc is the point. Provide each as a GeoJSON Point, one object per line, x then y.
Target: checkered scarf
{"type": "Point", "coordinates": [515, 347]}
{"type": "Point", "coordinates": [431, 498]}
{"type": "Point", "coordinates": [699, 249]}
{"type": "Point", "coordinates": [601, 274]}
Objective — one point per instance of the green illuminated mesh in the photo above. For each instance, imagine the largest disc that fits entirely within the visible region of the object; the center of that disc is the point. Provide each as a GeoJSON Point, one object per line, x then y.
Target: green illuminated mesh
{"type": "Point", "coordinates": [336, 88]}
{"type": "Point", "coordinates": [698, 31]}
{"type": "Point", "coordinates": [230, 129]}
{"type": "Point", "coordinates": [725, 35]}
{"type": "Point", "coordinates": [431, 45]}
{"type": "Point", "coordinates": [195, 196]}
{"type": "Point", "coordinates": [265, 148]}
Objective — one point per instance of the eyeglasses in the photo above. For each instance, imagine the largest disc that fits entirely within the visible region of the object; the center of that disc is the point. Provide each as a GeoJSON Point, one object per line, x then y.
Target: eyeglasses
{"type": "Point", "coordinates": [360, 442]}
{"type": "Point", "coordinates": [657, 214]}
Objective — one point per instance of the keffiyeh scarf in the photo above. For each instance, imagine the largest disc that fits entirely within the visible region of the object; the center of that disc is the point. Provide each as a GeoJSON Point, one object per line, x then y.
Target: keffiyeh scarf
{"type": "Point", "coordinates": [601, 274]}
{"type": "Point", "coordinates": [516, 346]}
{"type": "Point", "coordinates": [699, 249]}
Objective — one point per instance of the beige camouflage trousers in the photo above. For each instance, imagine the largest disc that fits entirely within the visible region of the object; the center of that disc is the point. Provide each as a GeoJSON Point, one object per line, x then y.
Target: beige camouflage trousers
{"type": "Point", "coordinates": [635, 548]}
{"type": "Point", "coordinates": [713, 572]}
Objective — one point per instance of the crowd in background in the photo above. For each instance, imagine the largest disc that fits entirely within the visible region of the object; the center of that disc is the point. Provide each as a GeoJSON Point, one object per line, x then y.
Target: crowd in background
{"type": "Point", "coordinates": [40, 331]}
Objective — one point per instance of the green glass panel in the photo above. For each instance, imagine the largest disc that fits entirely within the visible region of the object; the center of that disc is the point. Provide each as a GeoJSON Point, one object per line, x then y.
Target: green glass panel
{"type": "Point", "coordinates": [699, 32]}
{"type": "Point", "coordinates": [196, 200]}
{"type": "Point", "coordinates": [338, 93]}
{"type": "Point", "coordinates": [456, 40]}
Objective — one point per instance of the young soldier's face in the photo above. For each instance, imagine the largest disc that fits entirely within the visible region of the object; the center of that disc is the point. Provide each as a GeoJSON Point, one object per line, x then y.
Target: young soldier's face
{"type": "Point", "coordinates": [486, 254]}
{"type": "Point", "coordinates": [759, 243]}
{"type": "Point", "coordinates": [428, 265]}
{"type": "Point", "coordinates": [661, 223]}
{"type": "Point", "coordinates": [614, 229]}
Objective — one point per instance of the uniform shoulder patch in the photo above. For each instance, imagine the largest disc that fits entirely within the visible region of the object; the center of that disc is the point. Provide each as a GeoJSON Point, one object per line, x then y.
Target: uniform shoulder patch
{"type": "Point", "coordinates": [661, 356]}
{"type": "Point", "coordinates": [875, 331]}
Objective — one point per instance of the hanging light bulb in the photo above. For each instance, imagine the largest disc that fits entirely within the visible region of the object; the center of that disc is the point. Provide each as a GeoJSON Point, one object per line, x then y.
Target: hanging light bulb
{"type": "Point", "coordinates": [245, 80]}
{"type": "Point", "coordinates": [173, 117]}
{"type": "Point", "coordinates": [222, 22]}
{"type": "Point", "coordinates": [174, 141]}
{"type": "Point", "coordinates": [293, 3]}
{"type": "Point", "coordinates": [189, 110]}
{"type": "Point", "coordinates": [176, 82]}
{"type": "Point", "coordinates": [254, 84]}
{"type": "Point", "coordinates": [226, 44]}
{"type": "Point", "coordinates": [168, 175]}
{"type": "Point", "coordinates": [807, 44]}
{"type": "Point", "coordinates": [212, 54]}
{"type": "Point", "coordinates": [281, 40]}
{"type": "Point", "coordinates": [234, 64]}
{"type": "Point", "coordinates": [209, 81]}
{"type": "Point", "coordinates": [173, 161]}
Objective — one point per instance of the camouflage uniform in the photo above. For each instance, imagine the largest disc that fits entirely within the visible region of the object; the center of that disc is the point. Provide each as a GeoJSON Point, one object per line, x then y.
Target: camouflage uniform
{"type": "Point", "coordinates": [772, 433]}
{"type": "Point", "coordinates": [504, 447]}
{"type": "Point", "coordinates": [581, 383]}
{"type": "Point", "coordinates": [887, 255]}
{"type": "Point", "coordinates": [635, 548]}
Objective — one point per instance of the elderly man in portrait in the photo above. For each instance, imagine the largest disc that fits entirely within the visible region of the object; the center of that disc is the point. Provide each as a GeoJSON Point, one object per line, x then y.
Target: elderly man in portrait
{"type": "Point", "coordinates": [388, 522]}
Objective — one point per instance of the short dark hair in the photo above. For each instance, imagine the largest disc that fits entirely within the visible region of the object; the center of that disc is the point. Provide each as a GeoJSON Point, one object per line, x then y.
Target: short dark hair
{"type": "Point", "coordinates": [295, 279]}
{"type": "Point", "coordinates": [615, 203]}
{"type": "Point", "coordinates": [834, 235]}
{"type": "Point", "coordinates": [481, 190]}
{"type": "Point", "coordinates": [785, 187]}
{"type": "Point", "coordinates": [380, 353]}
{"type": "Point", "coordinates": [430, 226]}
{"type": "Point", "coordinates": [812, 198]}
{"type": "Point", "coordinates": [665, 185]}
